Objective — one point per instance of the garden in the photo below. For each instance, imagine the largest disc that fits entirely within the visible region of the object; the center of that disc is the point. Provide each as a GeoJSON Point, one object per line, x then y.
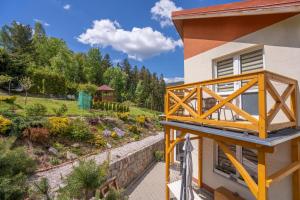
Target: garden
{"type": "Point", "coordinates": [51, 132]}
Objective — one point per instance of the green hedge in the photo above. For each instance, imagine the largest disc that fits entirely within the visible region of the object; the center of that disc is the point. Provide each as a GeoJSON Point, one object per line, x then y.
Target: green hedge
{"type": "Point", "coordinates": [8, 99]}
{"type": "Point", "coordinates": [112, 106]}
{"type": "Point", "coordinates": [46, 82]}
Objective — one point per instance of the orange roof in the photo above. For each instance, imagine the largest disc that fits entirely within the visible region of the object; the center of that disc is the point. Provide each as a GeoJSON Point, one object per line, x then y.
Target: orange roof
{"type": "Point", "coordinates": [105, 88]}
{"type": "Point", "coordinates": [241, 8]}
{"type": "Point", "coordinates": [247, 5]}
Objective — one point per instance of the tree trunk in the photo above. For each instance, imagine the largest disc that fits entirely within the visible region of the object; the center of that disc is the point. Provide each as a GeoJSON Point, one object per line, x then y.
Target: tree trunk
{"type": "Point", "coordinates": [86, 194]}
{"type": "Point", "coordinates": [9, 83]}
{"type": "Point", "coordinates": [25, 97]}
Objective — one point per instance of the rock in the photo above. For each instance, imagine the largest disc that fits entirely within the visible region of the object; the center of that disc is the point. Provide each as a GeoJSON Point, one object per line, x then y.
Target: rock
{"type": "Point", "coordinates": [53, 151]}
{"type": "Point", "coordinates": [76, 145]}
{"type": "Point", "coordinates": [108, 145]}
{"type": "Point", "coordinates": [71, 156]}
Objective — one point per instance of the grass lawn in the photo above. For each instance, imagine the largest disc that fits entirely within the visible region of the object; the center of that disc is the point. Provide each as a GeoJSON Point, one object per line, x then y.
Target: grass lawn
{"type": "Point", "coordinates": [73, 108]}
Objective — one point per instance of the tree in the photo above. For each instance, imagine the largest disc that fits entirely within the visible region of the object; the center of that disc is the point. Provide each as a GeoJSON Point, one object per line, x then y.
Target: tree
{"type": "Point", "coordinates": [93, 66]}
{"type": "Point", "coordinates": [139, 94]}
{"type": "Point", "coordinates": [17, 39]}
{"type": "Point", "coordinates": [85, 179]}
{"type": "Point", "coordinates": [26, 84]}
{"type": "Point", "coordinates": [6, 79]}
{"type": "Point", "coordinates": [116, 78]}
{"type": "Point", "coordinates": [15, 167]}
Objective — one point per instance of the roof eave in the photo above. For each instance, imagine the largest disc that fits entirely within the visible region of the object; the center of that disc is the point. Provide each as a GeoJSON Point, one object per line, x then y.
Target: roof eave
{"type": "Point", "coordinates": [177, 19]}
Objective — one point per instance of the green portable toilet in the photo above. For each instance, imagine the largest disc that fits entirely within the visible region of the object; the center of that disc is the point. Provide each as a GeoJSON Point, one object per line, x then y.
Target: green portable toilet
{"type": "Point", "coordinates": [84, 100]}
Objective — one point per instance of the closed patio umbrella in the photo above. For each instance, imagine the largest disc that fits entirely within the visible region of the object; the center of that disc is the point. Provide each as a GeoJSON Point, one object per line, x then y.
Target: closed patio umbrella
{"type": "Point", "coordinates": [186, 192]}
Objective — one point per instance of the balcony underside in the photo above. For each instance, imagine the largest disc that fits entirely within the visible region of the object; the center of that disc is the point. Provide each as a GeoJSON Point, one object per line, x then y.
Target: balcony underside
{"type": "Point", "coordinates": [277, 138]}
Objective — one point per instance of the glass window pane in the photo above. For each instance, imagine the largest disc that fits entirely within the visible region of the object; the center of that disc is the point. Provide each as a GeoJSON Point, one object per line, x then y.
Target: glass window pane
{"type": "Point", "coordinates": [250, 161]}
{"type": "Point", "coordinates": [223, 164]}
{"type": "Point", "coordinates": [250, 103]}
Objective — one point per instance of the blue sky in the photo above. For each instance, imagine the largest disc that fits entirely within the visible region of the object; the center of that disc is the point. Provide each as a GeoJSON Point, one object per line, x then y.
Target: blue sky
{"type": "Point", "coordinates": [138, 29]}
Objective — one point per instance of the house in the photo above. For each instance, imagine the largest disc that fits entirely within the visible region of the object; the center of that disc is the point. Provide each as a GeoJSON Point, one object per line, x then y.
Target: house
{"type": "Point", "coordinates": [240, 102]}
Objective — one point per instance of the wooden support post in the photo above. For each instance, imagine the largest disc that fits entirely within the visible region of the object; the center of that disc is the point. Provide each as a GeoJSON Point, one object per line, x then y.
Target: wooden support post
{"type": "Point", "coordinates": [296, 174]}
{"type": "Point", "coordinates": [199, 100]}
{"type": "Point", "coordinates": [200, 162]}
{"type": "Point", "coordinates": [294, 103]}
{"type": "Point", "coordinates": [262, 176]}
{"type": "Point", "coordinates": [167, 158]}
{"type": "Point", "coordinates": [262, 106]}
{"type": "Point", "coordinates": [172, 152]}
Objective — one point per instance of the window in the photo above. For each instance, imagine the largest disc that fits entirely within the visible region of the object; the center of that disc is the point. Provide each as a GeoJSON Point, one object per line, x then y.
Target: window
{"type": "Point", "coordinates": [248, 157]}
{"type": "Point", "coordinates": [239, 64]}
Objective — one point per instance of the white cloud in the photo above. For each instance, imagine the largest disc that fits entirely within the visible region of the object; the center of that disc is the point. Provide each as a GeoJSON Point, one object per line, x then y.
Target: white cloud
{"type": "Point", "coordinates": [42, 22]}
{"type": "Point", "coordinates": [67, 7]}
{"type": "Point", "coordinates": [174, 79]}
{"type": "Point", "coordinates": [138, 43]}
{"type": "Point", "coordinates": [162, 11]}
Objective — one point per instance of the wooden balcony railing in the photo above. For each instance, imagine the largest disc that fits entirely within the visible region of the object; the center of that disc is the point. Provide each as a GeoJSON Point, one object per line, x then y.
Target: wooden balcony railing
{"type": "Point", "coordinates": [188, 102]}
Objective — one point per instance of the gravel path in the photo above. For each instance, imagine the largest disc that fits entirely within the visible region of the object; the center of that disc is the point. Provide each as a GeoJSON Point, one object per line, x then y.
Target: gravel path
{"type": "Point", "coordinates": [55, 175]}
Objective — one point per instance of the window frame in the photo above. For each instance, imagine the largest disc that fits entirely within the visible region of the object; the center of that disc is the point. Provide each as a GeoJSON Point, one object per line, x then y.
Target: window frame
{"type": "Point", "coordinates": [237, 70]}
{"type": "Point", "coordinates": [239, 157]}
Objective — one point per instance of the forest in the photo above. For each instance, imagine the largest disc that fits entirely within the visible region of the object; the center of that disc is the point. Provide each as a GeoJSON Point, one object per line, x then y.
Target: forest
{"type": "Point", "coordinates": [57, 71]}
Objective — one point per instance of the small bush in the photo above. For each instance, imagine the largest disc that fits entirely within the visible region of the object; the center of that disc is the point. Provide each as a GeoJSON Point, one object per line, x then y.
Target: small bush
{"type": "Point", "coordinates": [36, 109]}
{"type": "Point", "coordinates": [8, 99]}
{"type": "Point", "coordinates": [123, 116]}
{"type": "Point", "coordinates": [99, 140]}
{"type": "Point", "coordinates": [134, 129]}
{"type": "Point", "coordinates": [39, 135]}
{"type": "Point", "coordinates": [141, 119]}
{"type": "Point", "coordinates": [79, 130]}
{"type": "Point", "coordinates": [61, 111]}
{"type": "Point", "coordinates": [5, 125]}
{"type": "Point", "coordinates": [58, 125]}
{"type": "Point", "coordinates": [15, 167]}
{"type": "Point", "coordinates": [114, 194]}
{"type": "Point", "coordinates": [159, 156]}
{"type": "Point", "coordinates": [110, 106]}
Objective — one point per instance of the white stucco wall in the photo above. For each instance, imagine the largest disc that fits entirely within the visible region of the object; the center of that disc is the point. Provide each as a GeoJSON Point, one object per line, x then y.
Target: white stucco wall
{"type": "Point", "coordinates": [281, 44]}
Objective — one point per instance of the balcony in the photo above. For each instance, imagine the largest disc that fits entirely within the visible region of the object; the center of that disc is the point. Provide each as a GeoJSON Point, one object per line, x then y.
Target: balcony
{"type": "Point", "coordinates": [217, 103]}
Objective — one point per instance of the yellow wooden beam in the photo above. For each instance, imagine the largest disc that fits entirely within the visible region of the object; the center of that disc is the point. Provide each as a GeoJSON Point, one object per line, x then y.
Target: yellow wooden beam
{"type": "Point", "coordinates": [240, 168]}
{"type": "Point", "coordinates": [295, 154]}
{"type": "Point", "coordinates": [228, 99]}
{"type": "Point", "coordinates": [179, 139]}
{"type": "Point", "coordinates": [262, 193]}
{"type": "Point", "coordinates": [282, 173]}
{"type": "Point", "coordinates": [233, 107]}
{"type": "Point", "coordinates": [182, 101]}
{"type": "Point", "coordinates": [167, 158]}
{"type": "Point", "coordinates": [262, 106]}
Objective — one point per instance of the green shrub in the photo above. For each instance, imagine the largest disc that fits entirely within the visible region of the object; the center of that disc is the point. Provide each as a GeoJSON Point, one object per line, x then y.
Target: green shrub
{"type": "Point", "coordinates": [89, 88]}
{"type": "Point", "coordinates": [114, 194]}
{"type": "Point", "coordinates": [134, 129]}
{"type": "Point", "coordinates": [41, 190]}
{"type": "Point", "coordinates": [47, 82]}
{"type": "Point", "coordinates": [58, 125]}
{"type": "Point", "coordinates": [5, 125]}
{"type": "Point", "coordinates": [8, 99]}
{"type": "Point", "coordinates": [36, 109]}
{"type": "Point", "coordinates": [123, 116]}
{"type": "Point", "coordinates": [99, 140]}
{"type": "Point", "coordinates": [15, 166]}
{"type": "Point", "coordinates": [61, 111]}
{"type": "Point", "coordinates": [84, 180]}
{"type": "Point", "coordinates": [159, 156]}
{"type": "Point", "coordinates": [141, 120]}
{"type": "Point", "coordinates": [79, 130]}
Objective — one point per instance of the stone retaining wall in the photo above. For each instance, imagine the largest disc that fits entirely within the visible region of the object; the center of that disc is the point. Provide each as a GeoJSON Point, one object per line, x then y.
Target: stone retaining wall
{"type": "Point", "coordinates": [133, 165]}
